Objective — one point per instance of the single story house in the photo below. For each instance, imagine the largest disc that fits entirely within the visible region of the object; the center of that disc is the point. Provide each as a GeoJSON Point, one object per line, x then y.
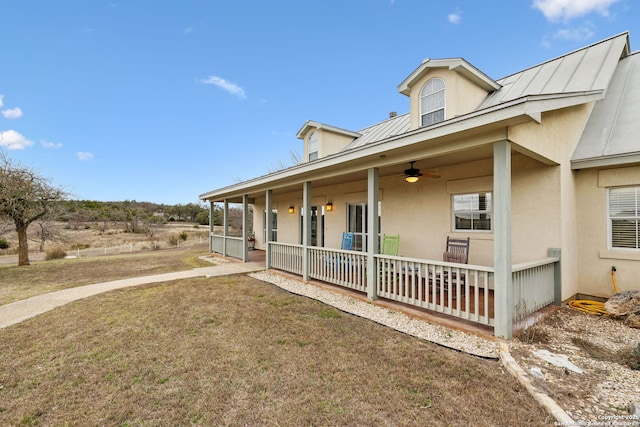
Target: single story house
{"type": "Point", "coordinates": [539, 170]}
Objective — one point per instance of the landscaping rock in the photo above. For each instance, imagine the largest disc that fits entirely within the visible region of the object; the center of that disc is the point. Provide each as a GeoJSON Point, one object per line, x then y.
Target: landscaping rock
{"type": "Point", "coordinates": [625, 305]}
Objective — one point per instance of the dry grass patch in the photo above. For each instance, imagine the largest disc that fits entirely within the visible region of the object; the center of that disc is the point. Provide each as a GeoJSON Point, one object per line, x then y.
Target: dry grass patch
{"type": "Point", "coordinates": [237, 351]}
{"type": "Point", "coordinates": [23, 282]}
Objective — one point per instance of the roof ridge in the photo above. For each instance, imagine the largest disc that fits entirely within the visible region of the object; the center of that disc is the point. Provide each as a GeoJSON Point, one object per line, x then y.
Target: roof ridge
{"type": "Point", "coordinates": [624, 33]}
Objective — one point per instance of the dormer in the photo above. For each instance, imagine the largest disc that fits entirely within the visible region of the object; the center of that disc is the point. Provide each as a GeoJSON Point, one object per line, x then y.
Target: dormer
{"type": "Point", "coordinates": [322, 140]}
{"type": "Point", "coordinates": [442, 89]}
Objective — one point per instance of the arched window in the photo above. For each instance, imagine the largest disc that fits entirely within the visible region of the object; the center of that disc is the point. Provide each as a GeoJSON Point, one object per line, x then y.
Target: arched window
{"type": "Point", "coordinates": [432, 102]}
{"type": "Point", "coordinates": [313, 146]}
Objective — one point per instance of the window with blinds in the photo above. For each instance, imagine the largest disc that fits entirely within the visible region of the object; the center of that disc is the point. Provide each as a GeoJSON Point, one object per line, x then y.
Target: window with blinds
{"type": "Point", "coordinates": [432, 100]}
{"type": "Point", "coordinates": [313, 146]}
{"type": "Point", "coordinates": [624, 218]}
{"type": "Point", "coordinates": [472, 212]}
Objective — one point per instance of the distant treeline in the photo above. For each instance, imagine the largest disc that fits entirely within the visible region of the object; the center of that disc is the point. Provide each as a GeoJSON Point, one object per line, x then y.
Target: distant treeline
{"type": "Point", "coordinates": [133, 213]}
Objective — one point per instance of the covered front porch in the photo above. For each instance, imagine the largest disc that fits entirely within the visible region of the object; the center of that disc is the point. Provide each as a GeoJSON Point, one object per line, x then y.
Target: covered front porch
{"type": "Point", "coordinates": [296, 239]}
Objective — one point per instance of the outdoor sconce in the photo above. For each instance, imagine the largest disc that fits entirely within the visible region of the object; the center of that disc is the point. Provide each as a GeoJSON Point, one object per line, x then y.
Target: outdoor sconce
{"type": "Point", "coordinates": [412, 174]}
{"type": "Point", "coordinates": [329, 206]}
{"type": "Point", "coordinates": [291, 209]}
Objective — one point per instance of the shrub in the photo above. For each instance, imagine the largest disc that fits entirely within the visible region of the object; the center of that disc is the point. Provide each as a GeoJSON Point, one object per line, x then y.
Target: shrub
{"type": "Point", "coordinates": [173, 240]}
{"type": "Point", "coordinates": [55, 252]}
{"type": "Point", "coordinates": [4, 244]}
{"type": "Point", "coordinates": [183, 236]}
{"type": "Point", "coordinates": [77, 246]}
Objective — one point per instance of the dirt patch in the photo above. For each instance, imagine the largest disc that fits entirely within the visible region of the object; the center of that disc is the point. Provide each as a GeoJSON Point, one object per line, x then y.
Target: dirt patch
{"type": "Point", "coordinates": [605, 349]}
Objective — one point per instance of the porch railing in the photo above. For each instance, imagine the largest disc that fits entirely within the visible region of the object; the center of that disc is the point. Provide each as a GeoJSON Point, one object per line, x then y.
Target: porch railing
{"type": "Point", "coordinates": [234, 245]}
{"type": "Point", "coordinates": [533, 286]}
{"type": "Point", "coordinates": [286, 257]}
{"type": "Point", "coordinates": [340, 267]}
{"type": "Point", "coordinates": [460, 290]}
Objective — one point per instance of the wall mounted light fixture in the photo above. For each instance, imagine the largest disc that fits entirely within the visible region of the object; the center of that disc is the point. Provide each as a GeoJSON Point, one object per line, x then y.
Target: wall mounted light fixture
{"type": "Point", "coordinates": [291, 209]}
{"type": "Point", "coordinates": [329, 206]}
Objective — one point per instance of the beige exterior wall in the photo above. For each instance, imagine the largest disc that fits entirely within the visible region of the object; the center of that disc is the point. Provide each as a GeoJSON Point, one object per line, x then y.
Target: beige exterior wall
{"type": "Point", "coordinates": [461, 96]}
{"type": "Point", "coordinates": [421, 213]}
{"type": "Point", "coordinates": [594, 255]}
{"type": "Point", "coordinates": [555, 139]}
{"type": "Point", "coordinates": [328, 143]}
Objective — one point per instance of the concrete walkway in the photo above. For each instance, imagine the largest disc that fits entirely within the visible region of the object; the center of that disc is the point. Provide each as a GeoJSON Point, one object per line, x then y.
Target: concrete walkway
{"type": "Point", "coordinates": [16, 312]}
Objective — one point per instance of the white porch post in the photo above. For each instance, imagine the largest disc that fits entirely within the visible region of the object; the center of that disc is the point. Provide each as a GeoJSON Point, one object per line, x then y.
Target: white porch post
{"type": "Point", "coordinates": [306, 228]}
{"type": "Point", "coordinates": [372, 231]}
{"type": "Point", "coordinates": [503, 292]}
{"type": "Point", "coordinates": [210, 226]}
{"type": "Point", "coordinates": [268, 227]}
{"type": "Point", "coordinates": [245, 228]}
{"type": "Point", "coordinates": [225, 227]}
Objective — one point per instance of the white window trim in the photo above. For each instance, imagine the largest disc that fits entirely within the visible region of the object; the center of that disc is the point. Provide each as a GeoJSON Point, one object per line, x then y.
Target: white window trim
{"type": "Point", "coordinates": [444, 104]}
{"type": "Point", "coordinates": [453, 214]}
{"type": "Point", "coordinates": [317, 148]}
{"type": "Point", "coordinates": [610, 246]}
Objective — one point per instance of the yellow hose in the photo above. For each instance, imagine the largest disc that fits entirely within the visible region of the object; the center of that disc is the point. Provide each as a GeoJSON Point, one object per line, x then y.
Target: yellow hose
{"type": "Point", "coordinates": [595, 307]}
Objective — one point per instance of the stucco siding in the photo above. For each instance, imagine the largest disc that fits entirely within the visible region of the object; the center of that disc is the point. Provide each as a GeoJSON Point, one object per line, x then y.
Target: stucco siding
{"type": "Point", "coordinates": [461, 96]}
{"type": "Point", "coordinates": [594, 259]}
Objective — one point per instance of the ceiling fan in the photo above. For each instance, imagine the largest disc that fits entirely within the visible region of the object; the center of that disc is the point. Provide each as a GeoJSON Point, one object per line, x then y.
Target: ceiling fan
{"type": "Point", "coordinates": [413, 174]}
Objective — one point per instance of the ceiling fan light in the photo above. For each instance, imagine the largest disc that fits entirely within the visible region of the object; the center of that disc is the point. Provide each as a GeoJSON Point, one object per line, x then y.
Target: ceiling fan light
{"type": "Point", "coordinates": [412, 174]}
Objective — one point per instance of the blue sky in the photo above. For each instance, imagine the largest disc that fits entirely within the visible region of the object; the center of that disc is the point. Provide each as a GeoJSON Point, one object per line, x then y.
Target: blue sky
{"type": "Point", "coordinates": [162, 100]}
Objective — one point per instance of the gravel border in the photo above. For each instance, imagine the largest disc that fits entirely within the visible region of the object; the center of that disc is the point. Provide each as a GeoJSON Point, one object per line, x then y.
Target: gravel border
{"type": "Point", "coordinates": [450, 338]}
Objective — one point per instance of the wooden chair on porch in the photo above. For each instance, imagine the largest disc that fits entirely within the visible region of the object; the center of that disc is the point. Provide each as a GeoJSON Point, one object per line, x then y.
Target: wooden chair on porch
{"type": "Point", "coordinates": [457, 250]}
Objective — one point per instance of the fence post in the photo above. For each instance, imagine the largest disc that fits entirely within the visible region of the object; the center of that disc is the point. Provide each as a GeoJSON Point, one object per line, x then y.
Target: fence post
{"type": "Point", "coordinates": [557, 276]}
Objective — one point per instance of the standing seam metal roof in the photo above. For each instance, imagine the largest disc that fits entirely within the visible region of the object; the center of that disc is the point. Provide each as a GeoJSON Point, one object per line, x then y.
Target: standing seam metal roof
{"type": "Point", "coordinates": [588, 69]}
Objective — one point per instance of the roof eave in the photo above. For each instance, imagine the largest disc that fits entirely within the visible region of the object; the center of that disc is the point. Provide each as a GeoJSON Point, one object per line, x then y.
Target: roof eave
{"type": "Point", "coordinates": [310, 124]}
{"type": "Point", "coordinates": [526, 109]}
{"type": "Point", "coordinates": [606, 161]}
{"type": "Point", "coordinates": [458, 65]}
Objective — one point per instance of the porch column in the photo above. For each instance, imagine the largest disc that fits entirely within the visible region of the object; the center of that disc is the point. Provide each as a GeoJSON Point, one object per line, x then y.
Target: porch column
{"type": "Point", "coordinates": [210, 226]}
{"type": "Point", "coordinates": [245, 228]}
{"type": "Point", "coordinates": [306, 228]}
{"type": "Point", "coordinates": [372, 231]}
{"type": "Point", "coordinates": [268, 228]}
{"type": "Point", "coordinates": [503, 286]}
{"type": "Point", "coordinates": [225, 227]}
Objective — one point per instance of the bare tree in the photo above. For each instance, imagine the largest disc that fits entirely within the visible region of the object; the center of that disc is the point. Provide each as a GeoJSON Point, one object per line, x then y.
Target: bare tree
{"type": "Point", "coordinates": [294, 159]}
{"type": "Point", "coordinates": [48, 229]}
{"type": "Point", "coordinates": [25, 197]}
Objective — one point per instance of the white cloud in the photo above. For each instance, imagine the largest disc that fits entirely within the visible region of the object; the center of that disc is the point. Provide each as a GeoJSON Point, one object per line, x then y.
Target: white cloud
{"type": "Point", "coordinates": [1, 102]}
{"type": "Point", "coordinates": [83, 155]}
{"type": "Point", "coordinates": [13, 140]}
{"type": "Point", "coordinates": [455, 18]}
{"type": "Point", "coordinates": [49, 144]}
{"type": "Point", "coordinates": [575, 34]}
{"type": "Point", "coordinates": [188, 30]}
{"type": "Point", "coordinates": [556, 10]}
{"type": "Point", "coordinates": [12, 113]}
{"type": "Point", "coordinates": [232, 88]}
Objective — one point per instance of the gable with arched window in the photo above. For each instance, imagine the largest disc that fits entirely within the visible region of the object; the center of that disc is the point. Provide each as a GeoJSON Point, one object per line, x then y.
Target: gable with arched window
{"type": "Point", "coordinates": [432, 101]}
